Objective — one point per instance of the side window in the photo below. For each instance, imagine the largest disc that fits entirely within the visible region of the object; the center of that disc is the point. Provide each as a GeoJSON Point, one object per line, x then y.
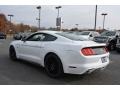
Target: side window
{"type": "Point", "coordinates": [41, 37]}
{"type": "Point", "coordinates": [91, 35]}
{"type": "Point", "coordinates": [36, 37]}
{"type": "Point", "coordinates": [49, 37]}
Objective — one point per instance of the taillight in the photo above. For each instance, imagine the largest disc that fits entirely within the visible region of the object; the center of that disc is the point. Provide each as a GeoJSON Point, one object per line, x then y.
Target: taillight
{"type": "Point", "coordinates": [88, 51]}
{"type": "Point", "coordinates": [94, 51]}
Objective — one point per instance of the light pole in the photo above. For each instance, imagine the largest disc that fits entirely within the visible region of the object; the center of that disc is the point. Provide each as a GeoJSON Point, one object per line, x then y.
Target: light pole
{"type": "Point", "coordinates": [95, 17]}
{"type": "Point", "coordinates": [58, 10]}
{"type": "Point", "coordinates": [58, 20]}
{"type": "Point", "coordinates": [10, 15]}
{"type": "Point", "coordinates": [62, 25]}
{"type": "Point", "coordinates": [39, 9]}
{"type": "Point", "coordinates": [103, 14]}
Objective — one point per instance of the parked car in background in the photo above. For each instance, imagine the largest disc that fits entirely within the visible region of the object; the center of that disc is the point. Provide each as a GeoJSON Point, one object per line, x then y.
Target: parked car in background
{"type": "Point", "coordinates": [17, 36]}
{"type": "Point", "coordinates": [118, 44]}
{"type": "Point", "coordinates": [2, 35]}
{"type": "Point", "coordinates": [89, 35]}
{"type": "Point", "coordinates": [60, 52]}
{"type": "Point", "coordinates": [108, 37]}
{"type": "Point", "coordinates": [20, 35]}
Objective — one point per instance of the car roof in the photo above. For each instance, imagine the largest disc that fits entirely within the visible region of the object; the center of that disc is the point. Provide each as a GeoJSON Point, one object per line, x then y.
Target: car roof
{"type": "Point", "coordinates": [48, 31]}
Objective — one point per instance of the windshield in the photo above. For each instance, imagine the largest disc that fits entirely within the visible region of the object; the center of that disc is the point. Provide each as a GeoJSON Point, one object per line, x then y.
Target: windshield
{"type": "Point", "coordinates": [84, 33]}
{"type": "Point", "coordinates": [71, 36]}
{"type": "Point", "coordinates": [77, 33]}
{"type": "Point", "coordinates": [108, 33]}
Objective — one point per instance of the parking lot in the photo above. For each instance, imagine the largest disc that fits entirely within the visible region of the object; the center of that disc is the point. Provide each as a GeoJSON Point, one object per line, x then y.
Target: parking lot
{"type": "Point", "coordinates": [20, 72]}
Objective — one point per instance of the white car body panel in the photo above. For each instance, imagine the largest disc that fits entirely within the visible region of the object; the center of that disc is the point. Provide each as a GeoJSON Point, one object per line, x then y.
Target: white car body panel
{"type": "Point", "coordinates": [87, 37]}
{"type": "Point", "coordinates": [69, 52]}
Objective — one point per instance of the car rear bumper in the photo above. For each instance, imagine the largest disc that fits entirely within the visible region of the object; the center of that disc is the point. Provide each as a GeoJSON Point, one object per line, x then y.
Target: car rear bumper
{"type": "Point", "coordinates": [84, 69]}
{"type": "Point", "coordinates": [87, 67]}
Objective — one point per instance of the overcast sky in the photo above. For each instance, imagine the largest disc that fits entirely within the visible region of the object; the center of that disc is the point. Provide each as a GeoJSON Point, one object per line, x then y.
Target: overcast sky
{"type": "Point", "coordinates": [71, 15]}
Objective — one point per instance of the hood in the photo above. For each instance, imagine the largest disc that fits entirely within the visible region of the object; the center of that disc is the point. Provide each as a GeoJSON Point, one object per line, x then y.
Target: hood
{"type": "Point", "coordinates": [102, 39]}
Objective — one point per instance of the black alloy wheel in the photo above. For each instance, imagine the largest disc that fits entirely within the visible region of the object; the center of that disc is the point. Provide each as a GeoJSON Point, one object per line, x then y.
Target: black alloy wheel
{"type": "Point", "coordinates": [53, 66]}
{"type": "Point", "coordinates": [12, 53]}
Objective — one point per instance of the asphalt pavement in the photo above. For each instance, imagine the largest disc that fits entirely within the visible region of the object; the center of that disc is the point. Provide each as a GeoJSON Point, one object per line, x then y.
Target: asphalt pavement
{"type": "Point", "coordinates": [24, 73]}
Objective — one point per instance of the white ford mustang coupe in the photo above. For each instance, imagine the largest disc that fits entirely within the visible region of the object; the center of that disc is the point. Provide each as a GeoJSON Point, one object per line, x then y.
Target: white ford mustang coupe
{"type": "Point", "coordinates": [60, 52]}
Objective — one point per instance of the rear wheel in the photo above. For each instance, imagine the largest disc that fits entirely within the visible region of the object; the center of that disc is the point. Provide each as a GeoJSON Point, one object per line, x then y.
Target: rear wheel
{"type": "Point", "coordinates": [12, 53]}
{"type": "Point", "coordinates": [53, 66]}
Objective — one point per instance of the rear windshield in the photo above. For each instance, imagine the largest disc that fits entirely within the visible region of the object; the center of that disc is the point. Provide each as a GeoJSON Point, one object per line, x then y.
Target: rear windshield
{"type": "Point", "coordinates": [71, 36]}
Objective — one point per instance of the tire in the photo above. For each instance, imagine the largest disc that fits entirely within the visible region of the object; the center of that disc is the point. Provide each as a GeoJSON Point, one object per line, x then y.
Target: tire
{"type": "Point", "coordinates": [12, 53]}
{"type": "Point", "coordinates": [118, 50]}
{"type": "Point", "coordinates": [111, 46]}
{"type": "Point", "coordinates": [53, 66]}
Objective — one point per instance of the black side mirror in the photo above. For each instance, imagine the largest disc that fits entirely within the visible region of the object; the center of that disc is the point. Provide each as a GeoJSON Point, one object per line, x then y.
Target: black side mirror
{"type": "Point", "coordinates": [91, 35]}
{"type": "Point", "coordinates": [117, 36]}
{"type": "Point", "coordinates": [23, 39]}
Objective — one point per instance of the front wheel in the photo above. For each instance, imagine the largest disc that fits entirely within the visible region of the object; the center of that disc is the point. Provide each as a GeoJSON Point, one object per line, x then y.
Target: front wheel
{"type": "Point", "coordinates": [53, 66]}
{"type": "Point", "coordinates": [111, 46]}
{"type": "Point", "coordinates": [12, 53]}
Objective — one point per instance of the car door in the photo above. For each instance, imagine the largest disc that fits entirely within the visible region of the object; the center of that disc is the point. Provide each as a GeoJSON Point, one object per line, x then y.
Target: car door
{"type": "Point", "coordinates": [31, 47]}
{"type": "Point", "coordinates": [47, 44]}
